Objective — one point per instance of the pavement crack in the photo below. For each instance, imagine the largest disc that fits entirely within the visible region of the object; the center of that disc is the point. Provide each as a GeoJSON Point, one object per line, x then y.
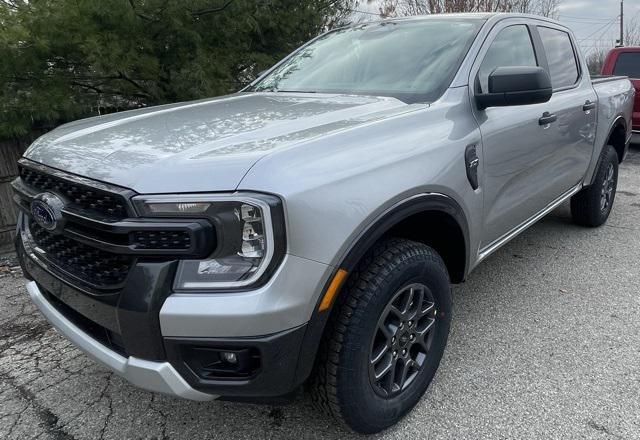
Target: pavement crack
{"type": "Point", "coordinates": [621, 227]}
{"type": "Point", "coordinates": [17, 420]}
{"type": "Point", "coordinates": [163, 417]}
{"type": "Point", "coordinates": [602, 428]}
{"type": "Point", "coordinates": [14, 333]}
{"type": "Point", "coordinates": [48, 419]}
{"type": "Point", "coordinates": [103, 395]}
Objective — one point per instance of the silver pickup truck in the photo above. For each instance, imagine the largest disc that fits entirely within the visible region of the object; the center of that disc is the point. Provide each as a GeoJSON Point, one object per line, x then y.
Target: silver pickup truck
{"type": "Point", "coordinates": [307, 229]}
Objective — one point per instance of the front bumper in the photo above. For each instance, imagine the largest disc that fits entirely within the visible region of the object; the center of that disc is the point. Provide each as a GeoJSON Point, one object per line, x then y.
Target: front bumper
{"type": "Point", "coordinates": [148, 335]}
{"type": "Point", "coordinates": [158, 377]}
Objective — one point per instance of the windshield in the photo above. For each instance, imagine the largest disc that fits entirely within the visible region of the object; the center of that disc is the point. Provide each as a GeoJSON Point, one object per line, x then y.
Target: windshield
{"type": "Point", "coordinates": [414, 61]}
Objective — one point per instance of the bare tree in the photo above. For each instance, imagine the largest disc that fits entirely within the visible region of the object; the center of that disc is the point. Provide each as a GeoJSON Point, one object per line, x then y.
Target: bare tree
{"type": "Point", "coordinates": [595, 60]}
{"type": "Point", "coordinates": [388, 8]}
{"type": "Point", "coordinates": [632, 32]}
{"type": "Point", "coordinates": [546, 8]}
{"type": "Point", "coordinates": [392, 8]}
{"type": "Point", "coordinates": [415, 7]}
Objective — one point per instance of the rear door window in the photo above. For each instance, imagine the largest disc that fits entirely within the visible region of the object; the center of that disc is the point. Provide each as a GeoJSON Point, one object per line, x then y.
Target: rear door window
{"type": "Point", "coordinates": [561, 57]}
{"type": "Point", "coordinates": [628, 64]}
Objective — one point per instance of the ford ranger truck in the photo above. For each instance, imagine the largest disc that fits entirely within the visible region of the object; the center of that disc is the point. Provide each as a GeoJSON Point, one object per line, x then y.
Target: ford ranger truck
{"type": "Point", "coordinates": [307, 229]}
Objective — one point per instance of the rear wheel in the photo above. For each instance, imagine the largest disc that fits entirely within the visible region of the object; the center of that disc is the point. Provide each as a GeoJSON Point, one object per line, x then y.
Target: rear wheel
{"type": "Point", "coordinates": [592, 206]}
{"type": "Point", "coordinates": [385, 338]}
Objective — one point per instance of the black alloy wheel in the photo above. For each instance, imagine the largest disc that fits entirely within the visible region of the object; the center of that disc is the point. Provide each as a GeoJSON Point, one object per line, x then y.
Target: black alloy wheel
{"type": "Point", "coordinates": [402, 340]}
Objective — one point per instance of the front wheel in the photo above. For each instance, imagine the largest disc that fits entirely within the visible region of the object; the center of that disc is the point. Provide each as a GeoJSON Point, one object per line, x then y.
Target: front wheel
{"type": "Point", "coordinates": [386, 337]}
{"type": "Point", "coordinates": [592, 206]}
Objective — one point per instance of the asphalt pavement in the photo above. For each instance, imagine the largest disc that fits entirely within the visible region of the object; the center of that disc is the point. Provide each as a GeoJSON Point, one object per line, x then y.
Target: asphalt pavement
{"type": "Point", "coordinates": [545, 345]}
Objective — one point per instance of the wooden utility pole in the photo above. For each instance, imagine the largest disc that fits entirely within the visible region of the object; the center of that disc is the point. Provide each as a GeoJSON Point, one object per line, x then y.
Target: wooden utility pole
{"type": "Point", "coordinates": [621, 22]}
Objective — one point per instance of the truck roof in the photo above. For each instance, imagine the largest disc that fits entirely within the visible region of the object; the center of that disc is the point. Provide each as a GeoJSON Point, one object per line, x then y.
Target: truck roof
{"type": "Point", "coordinates": [465, 15]}
{"type": "Point", "coordinates": [625, 49]}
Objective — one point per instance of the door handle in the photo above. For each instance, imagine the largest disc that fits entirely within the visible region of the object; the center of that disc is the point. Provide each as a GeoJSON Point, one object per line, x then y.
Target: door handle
{"type": "Point", "coordinates": [547, 118]}
{"type": "Point", "coordinates": [588, 105]}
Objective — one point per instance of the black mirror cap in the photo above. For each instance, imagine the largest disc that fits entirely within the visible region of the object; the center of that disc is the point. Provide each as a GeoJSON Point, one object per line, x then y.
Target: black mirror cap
{"type": "Point", "coordinates": [517, 85]}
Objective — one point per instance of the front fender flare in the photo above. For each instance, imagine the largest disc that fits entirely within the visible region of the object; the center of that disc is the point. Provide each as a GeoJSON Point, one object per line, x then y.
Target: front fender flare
{"type": "Point", "coordinates": [378, 228]}
{"type": "Point", "coordinates": [413, 205]}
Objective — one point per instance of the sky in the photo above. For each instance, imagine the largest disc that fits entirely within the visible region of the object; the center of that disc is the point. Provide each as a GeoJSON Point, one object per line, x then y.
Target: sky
{"type": "Point", "coordinates": [595, 23]}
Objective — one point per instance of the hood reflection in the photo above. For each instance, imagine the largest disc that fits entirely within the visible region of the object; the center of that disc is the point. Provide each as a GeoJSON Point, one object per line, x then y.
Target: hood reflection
{"type": "Point", "coordinates": [234, 131]}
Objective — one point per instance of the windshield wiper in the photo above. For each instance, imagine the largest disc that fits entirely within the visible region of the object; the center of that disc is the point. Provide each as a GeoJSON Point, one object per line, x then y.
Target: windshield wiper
{"type": "Point", "coordinates": [297, 91]}
{"type": "Point", "coordinates": [274, 90]}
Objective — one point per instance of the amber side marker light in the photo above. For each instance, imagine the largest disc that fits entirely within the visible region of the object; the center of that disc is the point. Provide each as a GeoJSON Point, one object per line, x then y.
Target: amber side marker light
{"type": "Point", "coordinates": [333, 288]}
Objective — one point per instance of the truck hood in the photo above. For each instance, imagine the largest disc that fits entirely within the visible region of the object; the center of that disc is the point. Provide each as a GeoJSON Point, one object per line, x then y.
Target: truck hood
{"type": "Point", "coordinates": [206, 145]}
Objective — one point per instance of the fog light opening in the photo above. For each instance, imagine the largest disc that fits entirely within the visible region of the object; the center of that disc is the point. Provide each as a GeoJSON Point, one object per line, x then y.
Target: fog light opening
{"type": "Point", "coordinates": [221, 362]}
{"type": "Point", "coordinates": [230, 358]}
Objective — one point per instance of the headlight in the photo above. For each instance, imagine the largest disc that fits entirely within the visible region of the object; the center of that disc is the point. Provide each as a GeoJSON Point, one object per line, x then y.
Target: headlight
{"type": "Point", "coordinates": [246, 229]}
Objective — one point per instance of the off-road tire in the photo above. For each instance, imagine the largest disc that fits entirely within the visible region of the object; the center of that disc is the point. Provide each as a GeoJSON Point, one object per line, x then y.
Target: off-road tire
{"type": "Point", "coordinates": [587, 206]}
{"type": "Point", "coordinates": [341, 384]}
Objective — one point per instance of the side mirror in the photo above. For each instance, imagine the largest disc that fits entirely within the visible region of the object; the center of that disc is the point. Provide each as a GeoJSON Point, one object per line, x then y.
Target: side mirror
{"type": "Point", "coordinates": [517, 85]}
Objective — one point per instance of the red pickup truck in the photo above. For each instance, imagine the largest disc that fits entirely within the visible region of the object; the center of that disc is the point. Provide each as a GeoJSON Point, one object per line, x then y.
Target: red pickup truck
{"type": "Point", "coordinates": [626, 61]}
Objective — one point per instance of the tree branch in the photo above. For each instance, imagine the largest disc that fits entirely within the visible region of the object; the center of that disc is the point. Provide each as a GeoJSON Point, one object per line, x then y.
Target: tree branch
{"type": "Point", "coordinates": [139, 14]}
{"type": "Point", "coordinates": [211, 10]}
{"type": "Point", "coordinates": [12, 4]}
{"type": "Point", "coordinates": [87, 86]}
{"type": "Point", "coordinates": [134, 83]}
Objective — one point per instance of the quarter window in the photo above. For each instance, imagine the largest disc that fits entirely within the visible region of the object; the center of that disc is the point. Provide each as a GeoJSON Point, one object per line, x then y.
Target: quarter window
{"type": "Point", "coordinates": [511, 47]}
{"type": "Point", "coordinates": [561, 57]}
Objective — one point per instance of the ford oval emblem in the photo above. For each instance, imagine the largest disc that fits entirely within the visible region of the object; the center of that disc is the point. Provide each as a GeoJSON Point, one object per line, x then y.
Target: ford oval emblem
{"type": "Point", "coordinates": [46, 209]}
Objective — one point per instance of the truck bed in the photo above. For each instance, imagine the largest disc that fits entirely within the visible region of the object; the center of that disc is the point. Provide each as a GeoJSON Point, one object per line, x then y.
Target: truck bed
{"type": "Point", "coordinates": [615, 100]}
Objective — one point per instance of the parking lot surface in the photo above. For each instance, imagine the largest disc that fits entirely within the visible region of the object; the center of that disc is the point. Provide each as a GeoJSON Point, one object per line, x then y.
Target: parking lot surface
{"type": "Point", "coordinates": [545, 344]}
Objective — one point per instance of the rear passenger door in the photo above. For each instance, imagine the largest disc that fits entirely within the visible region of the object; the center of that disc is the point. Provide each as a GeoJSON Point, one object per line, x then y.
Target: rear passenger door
{"type": "Point", "coordinates": [573, 104]}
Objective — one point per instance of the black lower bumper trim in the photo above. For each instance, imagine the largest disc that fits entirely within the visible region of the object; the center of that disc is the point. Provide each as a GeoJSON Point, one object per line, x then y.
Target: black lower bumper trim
{"type": "Point", "coordinates": [274, 374]}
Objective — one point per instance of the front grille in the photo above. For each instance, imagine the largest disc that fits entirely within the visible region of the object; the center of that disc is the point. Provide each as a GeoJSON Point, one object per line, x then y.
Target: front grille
{"type": "Point", "coordinates": [86, 197]}
{"type": "Point", "coordinates": [99, 238]}
{"type": "Point", "coordinates": [96, 267]}
{"type": "Point", "coordinates": [161, 239]}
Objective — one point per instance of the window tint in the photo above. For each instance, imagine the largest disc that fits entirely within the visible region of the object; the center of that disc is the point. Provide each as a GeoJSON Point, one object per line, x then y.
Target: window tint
{"type": "Point", "coordinates": [511, 47]}
{"type": "Point", "coordinates": [560, 56]}
{"type": "Point", "coordinates": [628, 64]}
